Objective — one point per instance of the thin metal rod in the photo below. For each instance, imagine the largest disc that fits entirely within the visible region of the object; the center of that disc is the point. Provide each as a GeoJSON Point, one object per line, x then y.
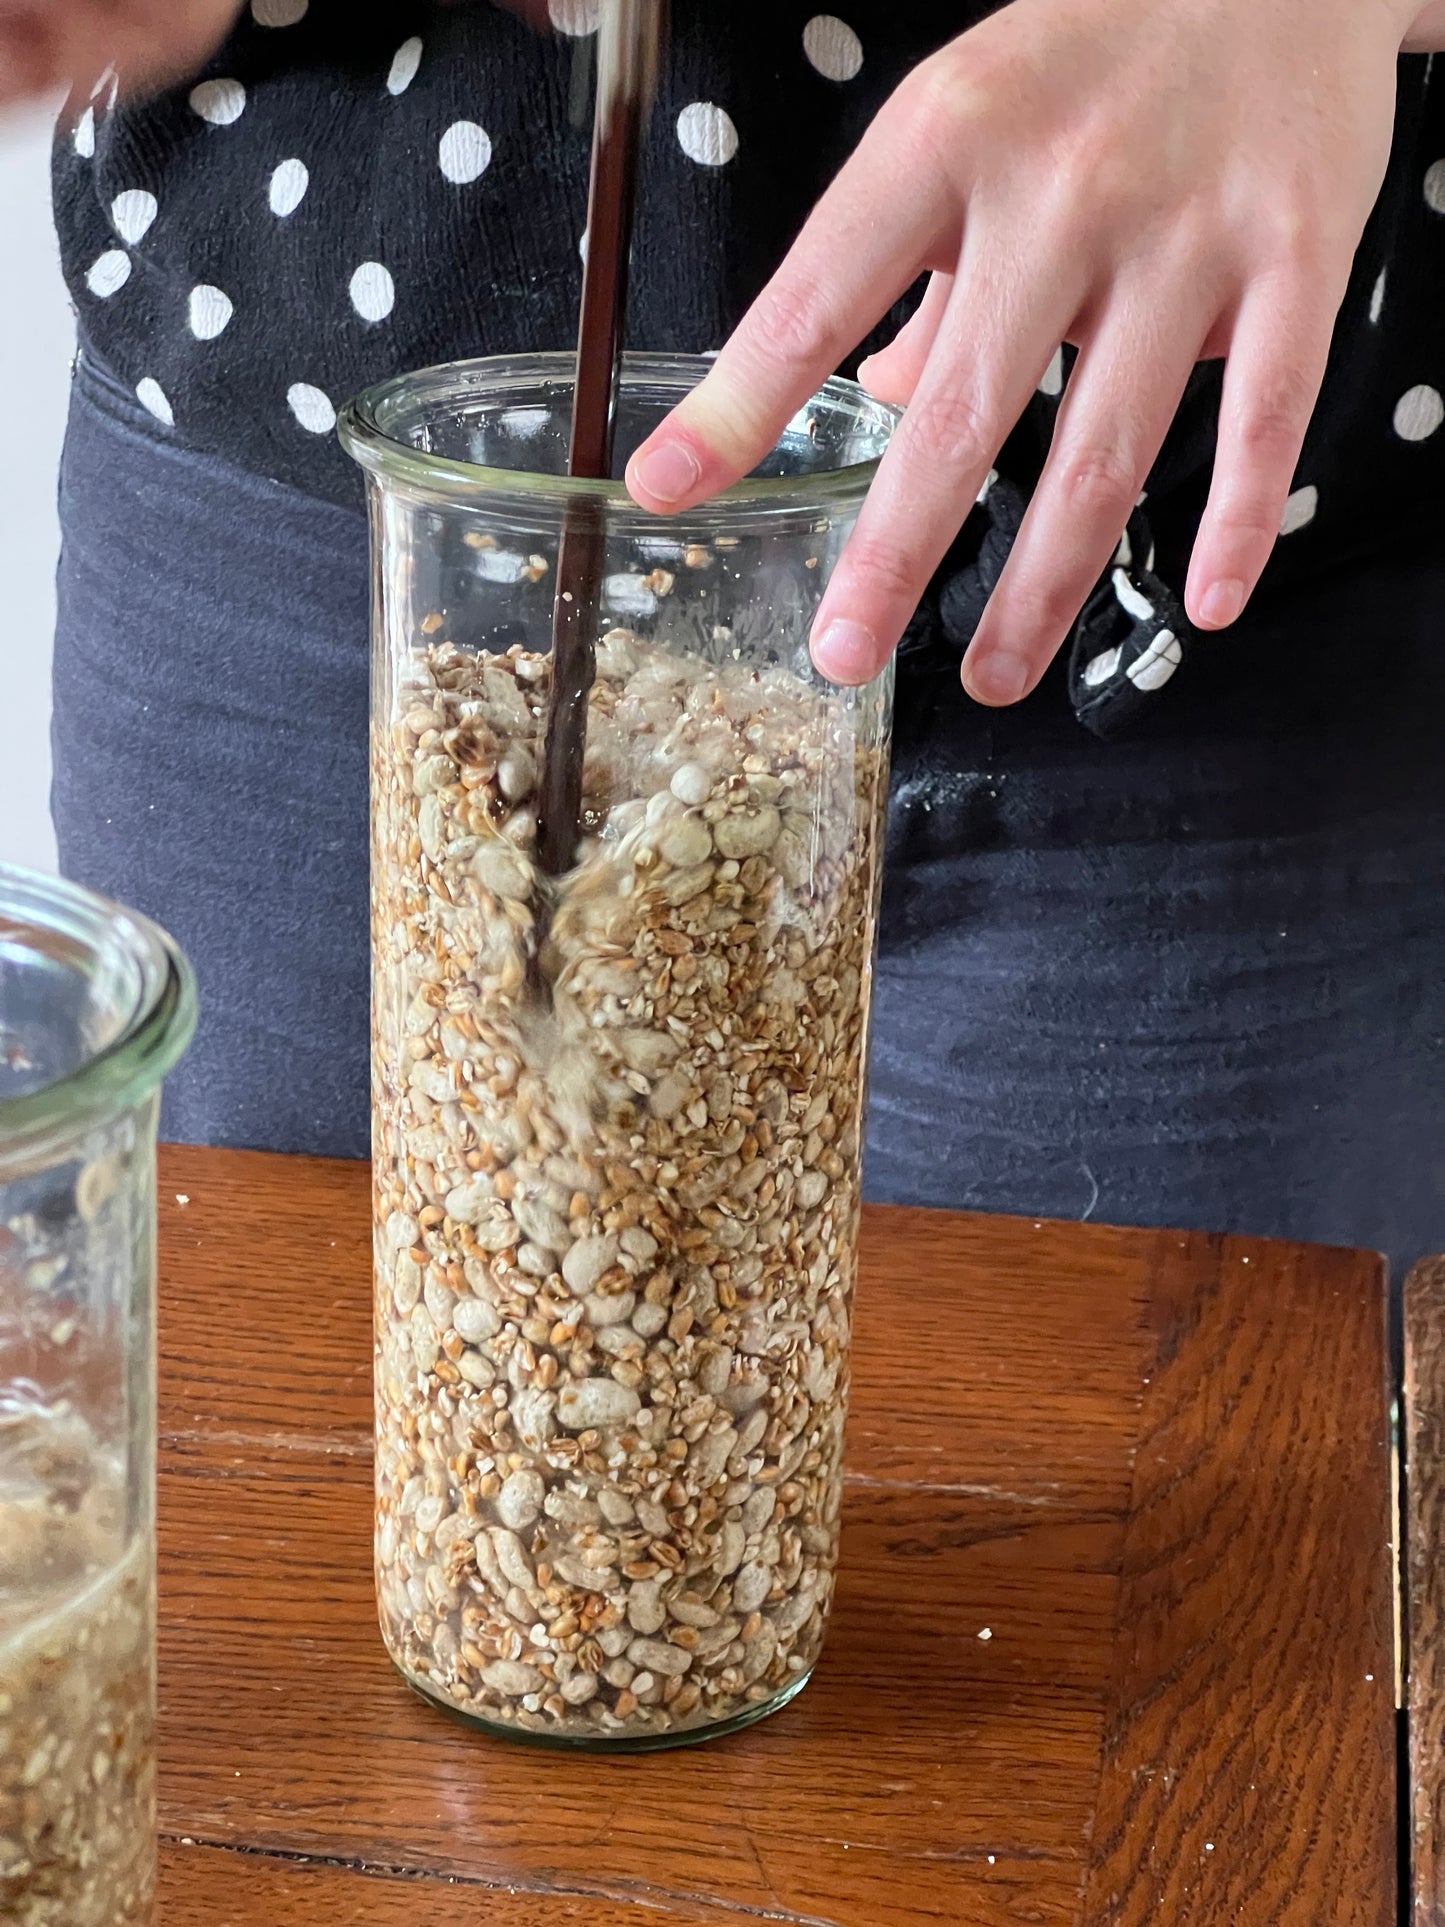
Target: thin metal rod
{"type": "Point", "coordinates": [629, 38]}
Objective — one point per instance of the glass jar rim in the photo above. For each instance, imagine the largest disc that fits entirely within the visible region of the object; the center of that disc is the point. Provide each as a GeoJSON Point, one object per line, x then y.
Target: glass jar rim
{"type": "Point", "coordinates": [359, 426]}
{"type": "Point", "coordinates": [147, 1043]}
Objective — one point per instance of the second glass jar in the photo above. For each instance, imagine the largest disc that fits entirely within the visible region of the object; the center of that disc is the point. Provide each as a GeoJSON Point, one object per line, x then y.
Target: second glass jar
{"type": "Point", "coordinates": [96, 1005]}
{"type": "Point", "coordinates": [617, 1114]}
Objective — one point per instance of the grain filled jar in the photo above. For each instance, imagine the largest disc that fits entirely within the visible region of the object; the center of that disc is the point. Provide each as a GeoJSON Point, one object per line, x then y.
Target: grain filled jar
{"type": "Point", "coordinates": [96, 1005]}
{"type": "Point", "coordinates": [617, 1111]}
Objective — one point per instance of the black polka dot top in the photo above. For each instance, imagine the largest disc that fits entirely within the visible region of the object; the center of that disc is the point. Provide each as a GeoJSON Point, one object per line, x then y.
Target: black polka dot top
{"type": "Point", "coordinates": [349, 192]}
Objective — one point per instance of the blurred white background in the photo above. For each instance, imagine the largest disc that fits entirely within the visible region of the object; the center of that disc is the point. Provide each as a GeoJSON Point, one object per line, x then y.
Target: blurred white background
{"type": "Point", "coordinates": [36, 339]}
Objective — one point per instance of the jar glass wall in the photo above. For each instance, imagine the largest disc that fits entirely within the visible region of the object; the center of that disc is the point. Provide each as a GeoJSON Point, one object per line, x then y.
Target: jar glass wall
{"type": "Point", "coordinates": [617, 1112]}
{"type": "Point", "coordinates": [95, 1006]}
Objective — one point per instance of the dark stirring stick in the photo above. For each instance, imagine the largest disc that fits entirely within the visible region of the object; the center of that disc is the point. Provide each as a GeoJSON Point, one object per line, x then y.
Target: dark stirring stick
{"type": "Point", "coordinates": [627, 55]}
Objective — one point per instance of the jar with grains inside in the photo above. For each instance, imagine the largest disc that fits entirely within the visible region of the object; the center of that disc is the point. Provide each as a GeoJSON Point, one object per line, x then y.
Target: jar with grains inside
{"type": "Point", "coordinates": [96, 1005]}
{"type": "Point", "coordinates": [617, 1110]}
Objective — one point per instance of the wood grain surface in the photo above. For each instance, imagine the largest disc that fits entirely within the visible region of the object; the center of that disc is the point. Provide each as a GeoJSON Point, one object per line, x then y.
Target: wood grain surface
{"type": "Point", "coordinates": [224, 1889]}
{"type": "Point", "coordinates": [1255, 1679]}
{"type": "Point", "coordinates": [1115, 1573]}
{"type": "Point", "coordinates": [1424, 1415]}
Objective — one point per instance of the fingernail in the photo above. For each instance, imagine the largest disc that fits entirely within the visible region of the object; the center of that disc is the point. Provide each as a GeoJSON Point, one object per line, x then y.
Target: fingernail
{"type": "Point", "coordinates": [846, 652]}
{"type": "Point", "coordinates": [996, 678]}
{"type": "Point", "coordinates": [1222, 603]}
{"type": "Point", "coordinates": [667, 473]}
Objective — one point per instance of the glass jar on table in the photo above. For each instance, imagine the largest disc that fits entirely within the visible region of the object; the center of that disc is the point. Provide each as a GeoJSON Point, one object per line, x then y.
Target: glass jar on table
{"type": "Point", "coordinates": [617, 1120]}
{"type": "Point", "coordinates": [96, 1005]}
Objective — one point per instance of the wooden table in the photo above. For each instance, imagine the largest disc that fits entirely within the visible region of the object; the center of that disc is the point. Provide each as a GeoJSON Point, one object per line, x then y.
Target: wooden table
{"type": "Point", "coordinates": [1425, 1591]}
{"type": "Point", "coordinates": [1113, 1639]}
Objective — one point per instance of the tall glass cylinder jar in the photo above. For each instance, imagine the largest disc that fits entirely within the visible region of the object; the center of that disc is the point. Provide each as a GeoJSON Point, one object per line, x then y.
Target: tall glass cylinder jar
{"type": "Point", "coordinates": [617, 1111]}
{"type": "Point", "coordinates": [95, 1007]}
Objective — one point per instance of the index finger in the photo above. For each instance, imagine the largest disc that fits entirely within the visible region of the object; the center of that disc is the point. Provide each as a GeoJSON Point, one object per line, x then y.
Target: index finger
{"type": "Point", "coordinates": [862, 247]}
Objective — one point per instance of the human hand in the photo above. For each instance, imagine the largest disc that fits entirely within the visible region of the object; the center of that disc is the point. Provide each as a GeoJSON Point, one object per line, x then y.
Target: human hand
{"type": "Point", "coordinates": [46, 44]}
{"type": "Point", "coordinates": [1155, 181]}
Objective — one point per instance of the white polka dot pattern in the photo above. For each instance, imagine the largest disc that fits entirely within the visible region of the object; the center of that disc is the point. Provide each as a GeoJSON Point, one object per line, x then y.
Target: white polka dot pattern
{"type": "Point", "coordinates": [109, 274]}
{"type": "Point", "coordinates": [151, 395]}
{"type": "Point", "coordinates": [832, 47]}
{"type": "Point", "coordinates": [131, 214]}
{"type": "Point", "coordinates": [311, 407]}
{"type": "Point", "coordinates": [574, 17]}
{"type": "Point", "coordinates": [288, 187]}
{"type": "Point", "coordinates": [706, 134]}
{"type": "Point", "coordinates": [373, 292]}
{"type": "Point", "coordinates": [1418, 413]}
{"type": "Point", "coordinates": [219, 101]}
{"type": "Point", "coordinates": [464, 152]}
{"type": "Point", "coordinates": [209, 311]}
{"type": "Point", "coordinates": [405, 62]}
{"type": "Point", "coordinates": [1299, 509]}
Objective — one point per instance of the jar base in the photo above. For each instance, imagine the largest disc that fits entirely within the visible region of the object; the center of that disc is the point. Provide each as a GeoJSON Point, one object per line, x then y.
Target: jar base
{"type": "Point", "coordinates": [603, 1743]}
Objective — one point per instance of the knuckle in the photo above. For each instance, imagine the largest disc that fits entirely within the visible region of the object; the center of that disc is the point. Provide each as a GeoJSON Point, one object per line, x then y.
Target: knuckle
{"type": "Point", "coordinates": [927, 118]}
{"type": "Point", "coordinates": [1298, 237]}
{"type": "Point", "coordinates": [888, 569]}
{"type": "Point", "coordinates": [1272, 423]}
{"type": "Point", "coordinates": [1095, 185]}
{"type": "Point", "coordinates": [792, 323]}
{"type": "Point", "coordinates": [953, 430]}
{"type": "Point", "coordinates": [1194, 246]}
{"type": "Point", "coordinates": [1042, 607]}
{"type": "Point", "coordinates": [936, 93]}
{"type": "Point", "coordinates": [1100, 483]}
{"type": "Point", "coordinates": [1247, 524]}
